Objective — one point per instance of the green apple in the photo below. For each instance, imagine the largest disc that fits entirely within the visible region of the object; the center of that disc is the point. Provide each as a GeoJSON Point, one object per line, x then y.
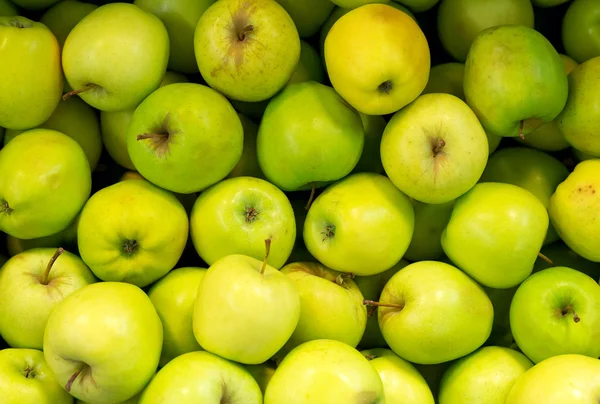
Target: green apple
{"type": "Point", "coordinates": [236, 215]}
{"type": "Point", "coordinates": [580, 117]}
{"type": "Point", "coordinates": [246, 49]}
{"type": "Point", "coordinates": [77, 120]}
{"type": "Point", "coordinates": [26, 378]}
{"type": "Point", "coordinates": [448, 78]}
{"type": "Point", "coordinates": [322, 372]}
{"type": "Point", "coordinates": [560, 255]}
{"type": "Point", "coordinates": [33, 83]}
{"type": "Point", "coordinates": [573, 208]}
{"type": "Point", "coordinates": [484, 376]}
{"type": "Point", "coordinates": [254, 110]}
{"type": "Point", "coordinates": [580, 35]}
{"type": "Point", "coordinates": [351, 4]}
{"type": "Point", "coordinates": [345, 318]}
{"type": "Point", "coordinates": [262, 373]}
{"type": "Point", "coordinates": [573, 379]}
{"type": "Point", "coordinates": [255, 306]}
{"type": "Point", "coordinates": [115, 56]}
{"type": "Point", "coordinates": [371, 287]}
{"type": "Point", "coordinates": [34, 5]}
{"type": "Point", "coordinates": [580, 156]}
{"type": "Point", "coordinates": [45, 182]}
{"type": "Point", "coordinates": [377, 32]}
{"type": "Point", "coordinates": [202, 377]}
{"type": "Point", "coordinates": [185, 137]}
{"type": "Point", "coordinates": [247, 165]}
{"type": "Point", "coordinates": [114, 126]}
{"type": "Point", "coordinates": [62, 17]}
{"type": "Point", "coordinates": [132, 231]}
{"type": "Point", "coordinates": [514, 80]}
{"type": "Point", "coordinates": [557, 311]}
{"type": "Point", "coordinates": [548, 3]}
{"type": "Point", "coordinates": [32, 283]}
{"type": "Point", "coordinates": [361, 224]}
{"type": "Point", "coordinates": [435, 149]}
{"type": "Point", "coordinates": [418, 6]}
{"type": "Point", "coordinates": [431, 312]}
{"type": "Point", "coordinates": [180, 18]}
{"type": "Point", "coordinates": [402, 383]}
{"type": "Point", "coordinates": [173, 297]}
{"type": "Point", "coordinates": [501, 299]}
{"type": "Point", "coordinates": [103, 342]}
{"type": "Point", "coordinates": [430, 222]}
{"type": "Point", "coordinates": [8, 9]}
{"type": "Point", "coordinates": [533, 170]}
{"type": "Point", "coordinates": [308, 121]}
{"type": "Point", "coordinates": [309, 67]}
{"type": "Point", "coordinates": [66, 238]}
{"type": "Point", "coordinates": [370, 158]}
{"type": "Point", "coordinates": [505, 227]}
{"type": "Point", "coordinates": [308, 16]}
{"type": "Point", "coordinates": [460, 21]}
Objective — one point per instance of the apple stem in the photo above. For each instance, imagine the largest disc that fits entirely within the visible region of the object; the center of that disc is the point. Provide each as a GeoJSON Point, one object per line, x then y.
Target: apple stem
{"type": "Point", "coordinates": [311, 198]}
{"type": "Point", "coordinates": [378, 304]}
{"type": "Point", "coordinates": [57, 254]}
{"type": "Point", "coordinates": [576, 317]}
{"type": "Point", "coordinates": [246, 30]}
{"type": "Point", "coordinates": [75, 92]}
{"type": "Point", "coordinates": [521, 134]}
{"type": "Point", "coordinates": [72, 380]}
{"type": "Point", "coordinates": [268, 250]}
{"type": "Point", "coordinates": [439, 146]}
{"type": "Point", "coordinates": [151, 136]}
{"type": "Point", "coordinates": [548, 260]}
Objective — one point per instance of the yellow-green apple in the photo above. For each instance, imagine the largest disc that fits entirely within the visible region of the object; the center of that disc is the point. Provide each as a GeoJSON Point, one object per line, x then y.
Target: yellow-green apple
{"type": "Point", "coordinates": [246, 49]}
{"type": "Point", "coordinates": [133, 400]}
{"type": "Point", "coordinates": [202, 377]}
{"type": "Point", "coordinates": [573, 208]}
{"type": "Point", "coordinates": [113, 126]}
{"type": "Point", "coordinates": [580, 118]}
{"type": "Point", "coordinates": [430, 222]}
{"type": "Point", "coordinates": [185, 137]}
{"type": "Point", "coordinates": [504, 226]}
{"type": "Point", "coordinates": [502, 62]}
{"type": "Point", "coordinates": [580, 25]}
{"type": "Point", "coordinates": [580, 156]}
{"type": "Point", "coordinates": [8, 9]}
{"type": "Point", "coordinates": [448, 78]}
{"type": "Point", "coordinates": [402, 383]}
{"type": "Point", "coordinates": [419, 6]}
{"type": "Point", "coordinates": [247, 165]}
{"type": "Point", "coordinates": [432, 312]}
{"type": "Point", "coordinates": [115, 56]}
{"type": "Point", "coordinates": [345, 228]}
{"type": "Point", "coordinates": [308, 16]}
{"type": "Point", "coordinates": [180, 18]}
{"type": "Point", "coordinates": [351, 4]}
{"type": "Point", "coordinates": [34, 5]}
{"type": "Point", "coordinates": [371, 287]}
{"type": "Point", "coordinates": [32, 81]}
{"type": "Point", "coordinates": [560, 255]}
{"type": "Point", "coordinates": [536, 171]}
{"type": "Point", "coordinates": [32, 283]}
{"type": "Point", "coordinates": [66, 238]}
{"type": "Point", "coordinates": [237, 215]}
{"type": "Point", "coordinates": [320, 287]}
{"type": "Point", "coordinates": [557, 311]}
{"type": "Point", "coordinates": [173, 297]}
{"type": "Point", "coordinates": [573, 379]}
{"type": "Point", "coordinates": [45, 182]}
{"type": "Point", "coordinates": [132, 231]}
{"type": "Point", "coordinates": [390, 36]}
{"type": "Point", "coordinates": [308, 121]}
{"type": "Point", "coordinates": [460, 21]}
{"type": "Point", "coordinates": [77, 120]}
{"type": "Point", "coordinates": [325, 371]}
{"type": "Point", "coordinates": [309, 67]}
{"type": "Point", "coordinates": [484, 376]}
{"type": "Point", "coordinates": [26, 378]}
{"type": "Point", "coordinates": [246, 310]}
{"type": "Point", "coordinates": [370, 158]}
{"type": "Point", "coordinates": [103, 342]}
{"type": "Point", "coordinates": [548, 137]}
{"type": "Point", "coordinates": [262, 373]}
{"type": "Point", "coordinates": [434, 150]}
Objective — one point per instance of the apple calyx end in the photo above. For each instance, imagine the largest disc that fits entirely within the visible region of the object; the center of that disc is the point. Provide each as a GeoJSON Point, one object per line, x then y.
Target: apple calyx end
{"type": "Point", "coordinates": [57, 253]}
{"type": "Point", "coordinates": [30, 373]}
{"type": "Point", "coordinates": [250, 214]}
{"type": "Point", "coordinates": [5, 208]}
{"type": "Point", "coordinates": [385, 87]}
{"type": "Point", "coordinates": [130, 246]}
{"type": "Point", "coordinates": [267, 252]}
{"type": "Point", "coordinates": [329, 232]}
{"type": "Point", "coordinates": [17, 24]}
{"type": "Point", "coordinates": [83, 89]}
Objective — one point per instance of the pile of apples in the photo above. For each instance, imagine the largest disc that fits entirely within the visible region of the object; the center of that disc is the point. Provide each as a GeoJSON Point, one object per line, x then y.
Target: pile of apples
{"type": "Point", "coordinates": [300, 202]}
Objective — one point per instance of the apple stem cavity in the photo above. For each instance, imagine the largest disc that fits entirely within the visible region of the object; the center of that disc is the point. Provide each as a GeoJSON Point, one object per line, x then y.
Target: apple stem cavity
{"type": "Point", "coordinates": [242, 34]}
{"type": "Point", "coordinates": [17, 24]}
{"type": "Point", "coordinates": [379, 304]}
{"type": "Point", "coordinates": [311, 197]}
{"type": "Point", "coordinates": [543, 257]}
{"type": "Point", "coordinates": [30, 373]}
{"type": "Point", "coordinates": [267, 252]}
{"type": "Point", "coordinates": [438, 146]}
{"type": "Point", "coordinates": [53, 259]}
{"type": "Point", "coordinates": [569, 309]}
{"type": "Point", "coordinates": [83, 89]}
{"type": "Point", "coordinates": [385, 87]}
